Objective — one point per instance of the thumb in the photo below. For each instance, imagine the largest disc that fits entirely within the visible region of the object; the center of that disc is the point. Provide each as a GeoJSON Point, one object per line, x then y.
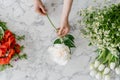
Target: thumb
{"type": "Point", "coordinates": [43, 9]}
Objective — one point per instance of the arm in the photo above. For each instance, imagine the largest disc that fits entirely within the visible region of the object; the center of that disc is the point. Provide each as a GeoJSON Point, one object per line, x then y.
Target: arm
{"type": "Point", "coordinates": [64, 24]}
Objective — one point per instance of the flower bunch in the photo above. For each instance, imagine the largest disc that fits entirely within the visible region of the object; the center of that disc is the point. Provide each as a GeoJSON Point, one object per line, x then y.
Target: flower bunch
{"type": "Point", "coordinates": [102, 27]}
{"type": "Point", "coordinates": [101, 71]}
{"type": "Point", "coordinates": [8, 46]}
{"type": "Point", "coordinates": [60, 51]}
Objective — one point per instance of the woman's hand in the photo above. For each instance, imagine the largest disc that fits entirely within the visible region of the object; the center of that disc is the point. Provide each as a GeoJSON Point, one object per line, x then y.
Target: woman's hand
{"type": "Point", "coordinates": [64, 29]}
{"type": "Point", "coordinates": [40, 8]}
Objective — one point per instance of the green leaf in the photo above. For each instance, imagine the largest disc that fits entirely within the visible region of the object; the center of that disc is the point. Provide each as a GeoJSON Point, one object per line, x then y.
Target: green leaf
{"type": "Point", "coordinates": [3, 25]}
{"type": "Point", "coordinates": [70, 37]}
{"type": "Point", "coordinates": [69, 43]}
{"type": "Point", "coordinates": [90, 44]}
{"type": "Point", "coordinates": [19, 38]}
{"type": "Point", "coordinates": [23, 56]}
{"type": "Point", "coordinates": [1, 33]}
{"type": "Point", "coordinates": [57, 41]}
{"type": "Point", "coordinates": [22, 47]}
{"type": "Point", "coordinates": [2, 67]}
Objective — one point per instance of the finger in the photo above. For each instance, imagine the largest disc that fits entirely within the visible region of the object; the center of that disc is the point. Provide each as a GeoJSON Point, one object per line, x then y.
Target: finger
{"type": "Point", "coordinates": [63, 34]}
{"type": "Point", "coordinates": [38, 11]}
{"type": "Point", "coordinates": [60, 31]}
{"type": "Point", "coordinates": [43, 10]}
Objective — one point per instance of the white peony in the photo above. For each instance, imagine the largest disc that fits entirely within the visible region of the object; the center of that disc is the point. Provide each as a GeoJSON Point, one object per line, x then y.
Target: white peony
{"type": "Point", "coordinates": [112, 65]}
{"type": "Point", "coordinates": [101, 67]}
{"type": "Point", "coordinates": [117, 70]}
{"type": "Point", "coordinates": [93, 73]}
{"type": "Point", "coordinates": [98, 76]}
{"type": "Point", "coordinates": [96, 64]}
{"type": "Point", "coordinates": [60, 53]}
{"type": "Point", "coordinates": [107, 77]}
{"type": "Point", "coordinates": [106, 70]}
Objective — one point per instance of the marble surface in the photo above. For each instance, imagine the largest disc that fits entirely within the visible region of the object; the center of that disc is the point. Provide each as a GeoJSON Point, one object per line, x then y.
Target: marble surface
{"type": "Point", "coordinates": [22, 19]}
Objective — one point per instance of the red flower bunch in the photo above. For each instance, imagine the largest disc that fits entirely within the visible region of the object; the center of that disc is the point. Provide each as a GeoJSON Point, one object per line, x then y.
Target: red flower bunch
{"type": "Point", "coordinates": [8, 47]}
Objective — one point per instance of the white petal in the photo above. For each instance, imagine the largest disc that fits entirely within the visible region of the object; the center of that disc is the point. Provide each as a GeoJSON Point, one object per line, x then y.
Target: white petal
{"type": "Point", "coordinates": [106, 70]}
{"type": "Point", "coordinates": [117, 70]}
{"type": "Point", "coordinates": [98, 76]}
{"type": "Point", "coordinates": [97, 63]}
{"type": "Point", "coordinates": [112, 65]}
{"type": "Point", "coordinates": [93, 73]}
{"type": "Point", "coordinates": [107, 77]}
{"type": "Point", "coordinates": [91, 67]}
{"type": "Point", "coordinates": [50, 49]}
{"type": "Point", "coordinates": [101, 67]}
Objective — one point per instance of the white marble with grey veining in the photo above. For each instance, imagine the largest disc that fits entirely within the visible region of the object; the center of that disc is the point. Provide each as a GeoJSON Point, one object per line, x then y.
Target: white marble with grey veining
{"type": "Point", "coordinates": [22, 19]}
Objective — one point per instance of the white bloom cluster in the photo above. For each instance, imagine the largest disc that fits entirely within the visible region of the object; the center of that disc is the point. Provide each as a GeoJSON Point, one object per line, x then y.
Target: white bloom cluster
{"type": "Point", "coordinates": [60, 53]}
{"type": "Point", "coordinates": [102, 27]}
{"type": "Point", "coordinates": [101, 71]}
{"type": "Point", "coordinates": [100, 30]}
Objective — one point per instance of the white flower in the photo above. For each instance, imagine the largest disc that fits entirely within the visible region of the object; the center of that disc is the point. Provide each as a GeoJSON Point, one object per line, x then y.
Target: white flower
{"type": "Point", "coordinates": [98, 76]}
{"type": "Point", "coordinates": [93, 73]}
{"type": "Point", "coordinates": [117, 70]}
{"type": "Point", "coordinates": [107, 77]}
{"type": "Point", "coordinates": [97, 23]}
{"type": "Point", "coordinates": [91, 67]}
{"type": "Point", "coordinates": [112, 65]}
{"type": "Point", "coordinates": [89, 8]}
{"type": "Point", "coordinates": [106, 70]}
{"type": "Point", "coordinates": [101, 67]}
{"type": "Point", "coordinates": [60, 53]}
{"type": "Point", "coordinates": [96, 64]}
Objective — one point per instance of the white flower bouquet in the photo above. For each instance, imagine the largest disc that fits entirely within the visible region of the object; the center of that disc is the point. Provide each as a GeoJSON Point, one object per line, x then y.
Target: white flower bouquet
{"type": "Point", "coordinates": [61, 50]}
{"type": "Point", "coordinates": [102, 27]}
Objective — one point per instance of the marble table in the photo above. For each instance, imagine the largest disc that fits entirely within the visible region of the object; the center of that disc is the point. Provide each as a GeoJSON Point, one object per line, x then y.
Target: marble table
{"type": "Point", "coordinates": [22, 19]}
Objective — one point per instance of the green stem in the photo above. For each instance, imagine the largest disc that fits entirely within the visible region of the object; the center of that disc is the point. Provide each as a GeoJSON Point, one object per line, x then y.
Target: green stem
{"type": "Point", "coordinates": [51, 22]}
{"type": "Point", "coordinates": [101, 54]}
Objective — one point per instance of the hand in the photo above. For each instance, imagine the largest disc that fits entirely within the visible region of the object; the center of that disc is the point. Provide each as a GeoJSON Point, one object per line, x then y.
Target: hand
{"type": "Point", "coordinates": [40, 8]}
{"type": "Point", "coordinates": [64, 29]}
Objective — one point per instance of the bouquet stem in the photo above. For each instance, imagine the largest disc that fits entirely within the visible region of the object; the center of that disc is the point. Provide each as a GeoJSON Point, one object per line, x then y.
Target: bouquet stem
{"type": "Point", "coordinates": [51, 22]}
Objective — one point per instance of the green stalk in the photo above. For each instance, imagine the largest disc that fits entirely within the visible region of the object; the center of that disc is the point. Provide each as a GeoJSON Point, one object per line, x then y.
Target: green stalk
{"type": "Point", "coordinates": [54, 27]}
{"type": "Point", "coordinates": [101, 54]}
{"type": "Point", "coordinates": [51, 22]}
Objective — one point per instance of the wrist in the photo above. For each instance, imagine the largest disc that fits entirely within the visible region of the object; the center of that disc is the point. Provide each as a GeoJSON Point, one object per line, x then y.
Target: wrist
{"type": "Point", "coordinates": [64, 23]}
{"type": "Point", "coordinates": [64, 19]}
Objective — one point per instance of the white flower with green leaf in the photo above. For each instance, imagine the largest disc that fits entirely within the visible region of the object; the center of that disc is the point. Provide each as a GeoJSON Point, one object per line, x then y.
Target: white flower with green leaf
{"type": "Point", "coordinates": [61, 49]}
{"type": "Point", "coordinates": [102, 27]}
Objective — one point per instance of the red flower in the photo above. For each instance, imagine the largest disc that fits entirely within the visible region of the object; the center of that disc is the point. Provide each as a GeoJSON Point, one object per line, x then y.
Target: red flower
{"type": "Point", "coordinates": [17, 48]}
{"type": "Point", "coordinates": [8, 44]}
